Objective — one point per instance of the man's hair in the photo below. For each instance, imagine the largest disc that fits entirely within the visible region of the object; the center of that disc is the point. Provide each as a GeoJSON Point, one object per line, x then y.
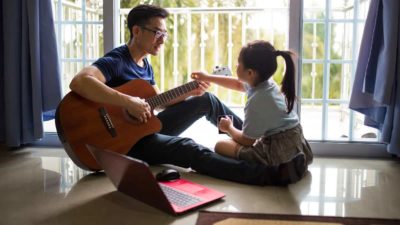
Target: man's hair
{"type": "Point", "coordinates": [141, 14]}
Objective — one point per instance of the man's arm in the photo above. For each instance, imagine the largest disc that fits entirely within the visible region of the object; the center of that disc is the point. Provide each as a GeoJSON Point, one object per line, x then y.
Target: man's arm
{"type": "Point", "coordinates": [90, 83]}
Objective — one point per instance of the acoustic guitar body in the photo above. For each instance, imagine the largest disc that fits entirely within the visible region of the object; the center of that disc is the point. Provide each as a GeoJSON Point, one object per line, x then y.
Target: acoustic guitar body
{"type": "Point", "coordinates": [80, 121]}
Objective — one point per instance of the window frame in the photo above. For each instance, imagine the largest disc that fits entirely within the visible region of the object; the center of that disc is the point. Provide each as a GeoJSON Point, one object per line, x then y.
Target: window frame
{"type": "Point", "coordinates": [111, 26]}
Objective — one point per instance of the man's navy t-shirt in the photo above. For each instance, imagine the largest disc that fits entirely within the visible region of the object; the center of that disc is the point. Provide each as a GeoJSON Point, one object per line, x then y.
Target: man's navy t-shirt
{"type": "Point", "coordinates": [118, 67]}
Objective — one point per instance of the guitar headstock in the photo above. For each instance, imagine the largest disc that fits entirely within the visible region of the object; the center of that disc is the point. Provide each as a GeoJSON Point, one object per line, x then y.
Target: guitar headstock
{"type": "Point", "coordinates": [222, 70]}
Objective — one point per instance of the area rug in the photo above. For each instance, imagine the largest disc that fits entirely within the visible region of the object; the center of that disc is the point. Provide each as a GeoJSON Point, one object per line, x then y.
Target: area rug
{"type": "Point", "coordinates": [225, 218]}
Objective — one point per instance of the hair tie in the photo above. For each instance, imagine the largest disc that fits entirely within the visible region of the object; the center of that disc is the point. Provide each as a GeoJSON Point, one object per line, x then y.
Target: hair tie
{"type": "Point", "coordinates": [278, 53]}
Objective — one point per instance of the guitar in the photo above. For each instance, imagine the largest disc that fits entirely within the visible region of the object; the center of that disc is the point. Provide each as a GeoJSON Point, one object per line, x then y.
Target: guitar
{"type": "Point", "coordinates": [80, 121]}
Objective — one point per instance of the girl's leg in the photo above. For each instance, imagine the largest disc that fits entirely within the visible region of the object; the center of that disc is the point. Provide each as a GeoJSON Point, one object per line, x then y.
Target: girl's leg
{"type": "Point", "coordinates": [227, 148]}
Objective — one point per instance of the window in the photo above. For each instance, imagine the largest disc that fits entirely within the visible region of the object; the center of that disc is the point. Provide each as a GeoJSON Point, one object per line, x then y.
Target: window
{"type": "Point", "coordinates": [332, 31]}
{"type": "Point", "coordinates": [79, 32]}
{"type": "Point", "coordinates": [204, 34]}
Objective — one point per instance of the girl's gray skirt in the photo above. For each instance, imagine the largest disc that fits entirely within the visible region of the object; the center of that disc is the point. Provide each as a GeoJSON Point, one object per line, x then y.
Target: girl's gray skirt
{"type": "Point", "coordinates": [277, 148]}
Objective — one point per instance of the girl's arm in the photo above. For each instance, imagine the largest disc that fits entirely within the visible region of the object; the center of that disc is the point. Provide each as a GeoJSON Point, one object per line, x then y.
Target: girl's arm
{"type": "Point", "coordinates": [237, 135]}
{"type": "Point", "coordinates": [203, 86]}
{"type": "Point", "coordinates": [225, 125]}
{"type": "Point", "coordinates": [228, 82]}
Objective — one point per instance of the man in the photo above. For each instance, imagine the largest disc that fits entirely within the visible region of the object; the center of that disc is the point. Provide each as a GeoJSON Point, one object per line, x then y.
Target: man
{"type": "Point", "coordinates": [148, 32]}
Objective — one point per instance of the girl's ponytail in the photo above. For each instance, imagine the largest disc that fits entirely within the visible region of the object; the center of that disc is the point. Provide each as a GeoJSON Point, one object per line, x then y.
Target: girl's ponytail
{"type": "Point", "coordinates": [288, 81]}
{"type": "Point", "coordinates": [261, 56]}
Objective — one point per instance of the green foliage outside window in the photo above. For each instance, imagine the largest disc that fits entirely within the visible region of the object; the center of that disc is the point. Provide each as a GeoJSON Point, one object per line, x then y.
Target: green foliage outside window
{"type": "Point", "coordinates": [209, 63]}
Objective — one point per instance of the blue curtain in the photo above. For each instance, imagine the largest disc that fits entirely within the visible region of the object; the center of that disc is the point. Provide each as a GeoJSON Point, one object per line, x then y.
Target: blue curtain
{"type": "Point", "coordinates": [30, 77]}
{"type": "Point", "coordinates": [376, 92]}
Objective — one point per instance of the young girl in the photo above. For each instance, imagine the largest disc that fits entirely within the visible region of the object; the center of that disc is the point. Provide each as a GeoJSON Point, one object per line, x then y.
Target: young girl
{"type": "Point", "coordinates": [271, 132]}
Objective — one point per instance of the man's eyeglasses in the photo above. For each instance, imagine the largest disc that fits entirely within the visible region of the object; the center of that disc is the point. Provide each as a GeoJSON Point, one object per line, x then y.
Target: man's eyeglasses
{"type": "Point", "coordinates": [157, 34]}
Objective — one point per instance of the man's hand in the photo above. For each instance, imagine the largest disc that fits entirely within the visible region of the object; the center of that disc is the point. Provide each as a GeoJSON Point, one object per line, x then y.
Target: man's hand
{"type": "Point", "coordinates": [203, 86]}
{"type": "Point", "coordinates": [138, 108]}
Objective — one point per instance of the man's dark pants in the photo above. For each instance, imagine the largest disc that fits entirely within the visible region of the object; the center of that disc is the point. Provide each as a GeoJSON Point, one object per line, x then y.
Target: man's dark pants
{"type": "Point", "coordinates": [166, 148]}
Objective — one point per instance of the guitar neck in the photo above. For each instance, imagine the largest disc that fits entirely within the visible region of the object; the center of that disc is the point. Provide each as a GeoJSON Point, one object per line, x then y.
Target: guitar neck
{"type": "Point", "coordinates": [168, 96]}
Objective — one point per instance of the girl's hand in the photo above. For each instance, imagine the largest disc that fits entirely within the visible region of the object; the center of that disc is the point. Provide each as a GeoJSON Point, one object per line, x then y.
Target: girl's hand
{"type": "Point", "coordinates": [225, 123]}
{"type": "Point", "coordinates": [200, 75]}
{"type": "Point", "coordinates": [203, 86]}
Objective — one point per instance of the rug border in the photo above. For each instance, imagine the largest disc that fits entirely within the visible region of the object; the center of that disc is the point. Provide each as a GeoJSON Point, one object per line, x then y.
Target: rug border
{"type": "Point", "coordinates": [203, 219]}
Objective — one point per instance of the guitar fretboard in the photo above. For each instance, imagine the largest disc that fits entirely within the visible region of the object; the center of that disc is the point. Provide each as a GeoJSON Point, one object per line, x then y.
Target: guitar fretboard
{"type": "Point", "coordinates": [172, 94]}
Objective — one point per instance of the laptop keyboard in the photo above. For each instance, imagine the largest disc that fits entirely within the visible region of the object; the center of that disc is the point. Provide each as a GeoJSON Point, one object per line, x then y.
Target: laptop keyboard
{"type": "Point", "coordinates": [179, 198]}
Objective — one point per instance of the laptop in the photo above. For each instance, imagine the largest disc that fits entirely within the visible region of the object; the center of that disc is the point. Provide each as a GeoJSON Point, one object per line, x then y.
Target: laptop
{"type": "Point", "coordinates": [134, 178]}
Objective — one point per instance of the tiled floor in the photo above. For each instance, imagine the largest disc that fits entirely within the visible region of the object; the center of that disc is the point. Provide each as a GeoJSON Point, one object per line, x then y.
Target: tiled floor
{"type": "Point", "coordinates": [42, 186]}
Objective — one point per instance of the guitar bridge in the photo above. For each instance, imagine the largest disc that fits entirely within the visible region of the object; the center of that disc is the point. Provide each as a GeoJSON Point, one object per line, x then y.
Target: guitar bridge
{"type": "Point", "coordinates": [107, 121]}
